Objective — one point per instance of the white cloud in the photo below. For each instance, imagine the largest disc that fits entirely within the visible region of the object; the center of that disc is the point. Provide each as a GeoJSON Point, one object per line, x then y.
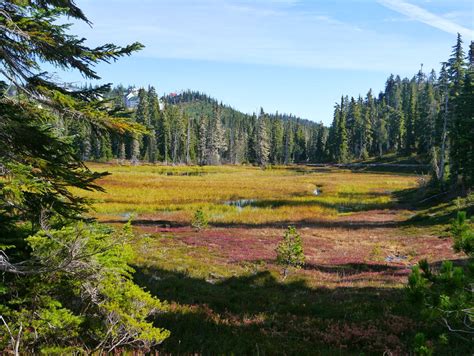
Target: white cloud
{"type": "Point", "coordinates": [417, 13]}
{"type": "Point", "coordinates": [268, 32]}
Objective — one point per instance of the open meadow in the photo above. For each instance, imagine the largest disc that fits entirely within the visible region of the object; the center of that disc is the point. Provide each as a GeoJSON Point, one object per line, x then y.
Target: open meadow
{"type": "Point", "coordinates": [224, 290]}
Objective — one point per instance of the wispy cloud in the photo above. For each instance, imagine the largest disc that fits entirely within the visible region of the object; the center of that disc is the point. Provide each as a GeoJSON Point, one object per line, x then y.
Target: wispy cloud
{"type": "Point", "coordinates": [294, 33]}
{"type": "Point", "coordinates": [417, 13]}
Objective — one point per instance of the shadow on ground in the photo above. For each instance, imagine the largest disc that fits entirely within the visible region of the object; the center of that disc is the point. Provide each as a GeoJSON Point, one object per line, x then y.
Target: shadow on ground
{"type": "Point", "coordinates": [260, 314]}
{"type": "Point", "coordinates": [147, 222]}
{"type": "Point", "coordinates": [314, 223]}
{"type": "Point", "coordinates": [431, 208]}
{"type": "Point", "coordinates": [356, 204]}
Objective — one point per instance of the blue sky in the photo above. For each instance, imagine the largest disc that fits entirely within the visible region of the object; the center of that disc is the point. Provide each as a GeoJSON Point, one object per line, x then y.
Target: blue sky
{"type": "Point", "coordinates": [294, 56]}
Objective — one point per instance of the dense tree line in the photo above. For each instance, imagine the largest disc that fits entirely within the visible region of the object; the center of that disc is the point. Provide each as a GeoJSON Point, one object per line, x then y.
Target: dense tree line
{"type": "Point", "coordinates": [191, 127]}
{"type": "Point", "coordinates": [429, 115]}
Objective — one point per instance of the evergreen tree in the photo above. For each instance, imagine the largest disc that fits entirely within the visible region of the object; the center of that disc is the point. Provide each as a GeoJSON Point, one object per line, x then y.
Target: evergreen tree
{"type": "Point", "coordinates": [367, 123]}
{"type": "Point", "coordinates": [252, 142]}
{"type": "Point", "coordinates": [154, 122]}
{"type": "Point", "coordinates": [333, 134]}
{"type": "Point", "coordinates": [428, 110]}
{"type": "Point", "coordinates": [164, 130]}
{"type": "Point", "coordinates": [177, 134]}
{"type": "Point", "coordinates": [439, 158]}
{"type": "Point", "coordinates": [462, 142]}
{"type": "Point", "coordinates": [397, 130]}
{"type": "Point", "coordinates": [66, 286]}
{"type": "Point", "coordinates": [263, 148]}
{"type": "Point", "coordinates": [380, 132]}
{"type": "Point", "coordinates": [300, 144]}
{"type": "Point", "coordinates": [288, 142]}
{"type": "Point", "coordinates": [202, 146]}
{"type": "Point", "coordinates": [355, 123]}
{"type": "Point", "coordinates": [232, 144]}
{"type": "Point", "coordinates": [142, 116]}
{"type": "Point", "coordinates": [188, 139]}
{"type": "Point", "coordinates": [215, 138]}
{"type": "Point", "coordinates": [342, 150]}
{"type": "Point", "coordinates": [321, 152]}
{"type": "Point", "coordinates": [277, 142]}
{"type": "Point", "coordinates": [456, 67]}
{"type": "Point", "coordinates": [411, 115]}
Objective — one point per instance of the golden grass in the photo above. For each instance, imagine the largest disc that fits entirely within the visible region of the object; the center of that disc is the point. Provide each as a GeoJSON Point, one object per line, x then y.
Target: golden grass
{"type": "Point", "coordinates": [281, 194]}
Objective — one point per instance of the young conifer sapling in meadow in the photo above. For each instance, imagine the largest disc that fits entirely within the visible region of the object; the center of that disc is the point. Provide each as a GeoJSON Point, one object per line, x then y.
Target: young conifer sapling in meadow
{"type": "Point", "coordinates": [199, 221]}
{"type": "Point", "coordinates": [290, 251]}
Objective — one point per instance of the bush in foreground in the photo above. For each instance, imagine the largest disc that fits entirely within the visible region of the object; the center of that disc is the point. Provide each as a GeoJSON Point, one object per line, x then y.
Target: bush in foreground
{"type": "Point", "coordinates": [446, 296]}
{"type": "Point", "coordinates": [77, 294]}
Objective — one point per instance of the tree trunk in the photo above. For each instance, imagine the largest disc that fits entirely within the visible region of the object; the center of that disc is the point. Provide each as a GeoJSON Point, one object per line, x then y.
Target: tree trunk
{"type": "Point", "coordinates": [188, 143]}
{"type": "Point", "coordinates": [440, 173]}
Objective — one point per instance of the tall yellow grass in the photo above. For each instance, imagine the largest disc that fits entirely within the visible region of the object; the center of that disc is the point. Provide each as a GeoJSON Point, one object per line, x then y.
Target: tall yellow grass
{"type": "Point", "coordinates": [281, 194]}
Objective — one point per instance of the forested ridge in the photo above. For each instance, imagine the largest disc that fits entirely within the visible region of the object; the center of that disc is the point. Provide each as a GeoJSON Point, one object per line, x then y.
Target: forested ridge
{"type": "Point", "coordinates": [191, 127]}
{"type": "Point", "coordinates": [426, 115]}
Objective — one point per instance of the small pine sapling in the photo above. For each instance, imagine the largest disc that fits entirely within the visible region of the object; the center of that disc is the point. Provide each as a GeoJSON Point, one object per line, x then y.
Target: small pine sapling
{"type": "Point", "coordinates": [290, 251]}
{"type": "Point", "coordinates": [199, 221]}
{"type": "Point", "coordinates": [446, 295]}
{"type": "Point", "coordinates": [463, 234]}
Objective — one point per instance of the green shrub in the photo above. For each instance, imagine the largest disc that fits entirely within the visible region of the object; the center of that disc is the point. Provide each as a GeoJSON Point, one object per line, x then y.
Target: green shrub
{"type": "Point", "coordinates": [421, 346]}
{"type": "Point", "coordinates": [199, 221]}
{"type": "Point", "coordinates": [79, 296]}
{"type": "Point", "coordinates": [290, 250]}
{"type": "Point", "coordinates": [445, 297]}
{"type": "Point", "coordinates": [463, 234]}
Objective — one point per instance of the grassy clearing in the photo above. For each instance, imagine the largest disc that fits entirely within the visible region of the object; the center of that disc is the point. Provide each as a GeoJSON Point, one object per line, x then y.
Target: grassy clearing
{"type": "Point", "coordinates": [281, 194]}
{"type": "Point", "coordinates": [225, 291]}
{"type": "Point", "coordinates": [435, 210]}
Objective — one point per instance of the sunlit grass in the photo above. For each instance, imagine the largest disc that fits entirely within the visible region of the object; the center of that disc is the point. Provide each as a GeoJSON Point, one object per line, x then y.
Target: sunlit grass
{"type": "Point", "coordinates": [281, 194]}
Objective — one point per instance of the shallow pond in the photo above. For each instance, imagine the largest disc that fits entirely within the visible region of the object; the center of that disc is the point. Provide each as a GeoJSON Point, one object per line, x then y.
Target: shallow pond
{"type": "Point", "coordinates": [240, 203]}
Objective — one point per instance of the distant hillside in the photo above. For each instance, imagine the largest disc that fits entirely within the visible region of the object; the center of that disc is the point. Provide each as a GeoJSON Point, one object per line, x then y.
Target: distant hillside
{"type": "Point", "coordinates": [193, 128]}
{"type": "Point", "coordinates": [195, 104]}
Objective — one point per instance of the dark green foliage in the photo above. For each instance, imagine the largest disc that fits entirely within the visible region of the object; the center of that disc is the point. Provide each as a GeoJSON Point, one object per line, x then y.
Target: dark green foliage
{"type": "Point", "coordinates": [411, 116]}
{"type": "Point", "coordinates": [40, 164]}
{"type": "Point", "coordinates": [445, 296]}
{"type": "Point", "coordinates": [456, 68]}
{"type": "Point", "coordinates": [262, 141]}
{"type": "Point", "coordinates": [463, 234]}
{"type": "Point", "coordinates": [290, 250]}
{"type": "Point", "coordinates": [66, 284]}
{"type": "Point", "coordinates": [191, 127]}
{"type": "Point", "coordinates": [421, 346]}
{"type": "Point", "coordinates": [200, 220]}
{"type": "Point", "coordinates": [462, 131]}
{"type": "Point", "coordinates": [414, 116]}
{"type": "Point", "coordinates": [78, 294]}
